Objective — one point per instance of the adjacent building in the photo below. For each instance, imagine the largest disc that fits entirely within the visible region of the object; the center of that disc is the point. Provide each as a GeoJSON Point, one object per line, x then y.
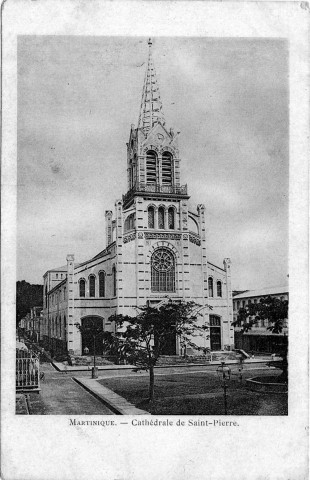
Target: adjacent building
{"type": "Point", "coordinates": [156, 248]}
{"type": "Point", "coordinates": [259, 338]}
{"type": "Point", "coordinates": [32, 324]}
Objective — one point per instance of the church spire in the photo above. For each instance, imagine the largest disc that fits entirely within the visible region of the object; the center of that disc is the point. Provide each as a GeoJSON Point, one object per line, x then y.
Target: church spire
{"type": "Point", "coordinates": [151, 110]}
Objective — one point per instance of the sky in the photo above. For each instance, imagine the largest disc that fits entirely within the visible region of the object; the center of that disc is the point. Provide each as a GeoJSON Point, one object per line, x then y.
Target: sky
{"type": "Point", "coordinates": [78, 96]}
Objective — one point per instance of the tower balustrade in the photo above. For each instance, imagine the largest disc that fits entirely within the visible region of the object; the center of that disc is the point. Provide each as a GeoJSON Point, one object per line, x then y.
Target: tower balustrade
{"type": "Point", "coordinates": [154, 188]}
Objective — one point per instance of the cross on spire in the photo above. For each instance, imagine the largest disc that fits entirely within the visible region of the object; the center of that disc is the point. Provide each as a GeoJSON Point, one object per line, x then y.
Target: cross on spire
{"type": "Point", "coordinates": [151, 111]}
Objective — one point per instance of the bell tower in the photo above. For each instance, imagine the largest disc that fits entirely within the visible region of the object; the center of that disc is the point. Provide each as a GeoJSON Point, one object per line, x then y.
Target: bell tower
{"type": "Point", "coordinates": [153, 164]}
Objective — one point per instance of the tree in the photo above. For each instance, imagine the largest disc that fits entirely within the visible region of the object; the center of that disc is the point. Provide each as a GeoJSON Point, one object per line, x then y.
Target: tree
{"type": "Point", "coordinates": [270, 309]}
{"type": "Point", "coordinates": [142, 339]}
{"type": "Point", "coordinates": [27, 296]}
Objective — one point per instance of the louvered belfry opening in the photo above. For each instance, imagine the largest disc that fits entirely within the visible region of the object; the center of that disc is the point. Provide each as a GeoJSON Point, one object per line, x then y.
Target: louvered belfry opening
{"type": "Point", "coordinates": [151, 167]}
{"type": "Point", "coordinates": [166, 169]}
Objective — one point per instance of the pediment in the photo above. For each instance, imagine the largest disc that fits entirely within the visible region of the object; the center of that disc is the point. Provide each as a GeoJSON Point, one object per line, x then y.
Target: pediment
{"type": "Point", "coordinates": [160, 139]}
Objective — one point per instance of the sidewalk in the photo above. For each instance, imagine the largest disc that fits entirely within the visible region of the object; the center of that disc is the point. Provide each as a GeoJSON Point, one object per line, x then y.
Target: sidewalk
{"type": "Point", "coordinates": [60, 367]}
{"type": "Point", "coordinates": [61, 395]}
{"type": "Point", "coordinates": [115, 402]}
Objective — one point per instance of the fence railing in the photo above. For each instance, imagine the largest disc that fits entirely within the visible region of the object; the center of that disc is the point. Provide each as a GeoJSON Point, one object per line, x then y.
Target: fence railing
{"type": "Point", "coordinates": [27, 371]}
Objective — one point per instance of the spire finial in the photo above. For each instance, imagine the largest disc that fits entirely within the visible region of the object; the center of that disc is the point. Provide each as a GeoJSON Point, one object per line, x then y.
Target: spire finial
{"type": "Point", "coordinates": [151, 111]}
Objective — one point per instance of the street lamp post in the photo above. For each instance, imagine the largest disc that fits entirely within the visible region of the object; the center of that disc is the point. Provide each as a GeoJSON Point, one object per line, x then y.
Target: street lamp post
{"type": "Point", "coordinates": [224, 372]}
{"type": "Point", "coordinates": [94, 370]}
{"type": "Point", "coordinates": [240, 368]}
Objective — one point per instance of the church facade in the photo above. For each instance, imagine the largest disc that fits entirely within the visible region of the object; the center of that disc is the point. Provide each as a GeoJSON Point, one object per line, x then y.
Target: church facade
{"type": "Point", "coordinates": [156, 248]}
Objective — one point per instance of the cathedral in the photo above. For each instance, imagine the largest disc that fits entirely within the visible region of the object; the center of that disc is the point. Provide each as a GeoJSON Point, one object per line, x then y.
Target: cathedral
{"type": "Point", "coordinates": [156, 249]}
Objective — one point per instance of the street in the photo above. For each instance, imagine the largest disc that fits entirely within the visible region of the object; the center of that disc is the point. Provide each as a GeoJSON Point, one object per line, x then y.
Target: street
{"type": "Point", "coordinates": [61, 395]}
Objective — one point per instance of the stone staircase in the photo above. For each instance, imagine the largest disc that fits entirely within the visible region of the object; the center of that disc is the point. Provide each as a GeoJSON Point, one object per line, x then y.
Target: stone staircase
{"type": "Point", "coordinates": [166, 360]}
{"type": "Point", "coordinates": [222, 356]}
{"type": "Point", "coordinates": [83, 360]}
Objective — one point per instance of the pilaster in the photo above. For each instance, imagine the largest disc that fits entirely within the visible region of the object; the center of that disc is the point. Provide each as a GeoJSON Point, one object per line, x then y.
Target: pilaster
{"type": "Point", "coordinates": [204, 268]}
{"type": "Point", "coordinates": [73, 334]}
{"type": "Point", "coordinates": [227, 265]}
{"type": "Point", "coordinates": [119, 252]}
{"type": "Point", "coordinates": [141, 287]}
{"type": "Point", "coordinates": [108, 226]}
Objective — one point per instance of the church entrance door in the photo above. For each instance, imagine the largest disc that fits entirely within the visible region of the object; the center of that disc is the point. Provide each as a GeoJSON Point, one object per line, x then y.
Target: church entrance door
{"type": "Point", "coordinates": [91, 335]}
{"type": "Point", "coordinates": [215, 338]}
{"type": "Point", "coordinates": [215, 333]}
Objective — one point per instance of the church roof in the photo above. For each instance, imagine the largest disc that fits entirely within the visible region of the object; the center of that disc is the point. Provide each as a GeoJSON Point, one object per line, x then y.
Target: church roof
{"type": "Point", "coordinates": [151, 111]}
{"type": "Point", "coordinates": [59, 269]}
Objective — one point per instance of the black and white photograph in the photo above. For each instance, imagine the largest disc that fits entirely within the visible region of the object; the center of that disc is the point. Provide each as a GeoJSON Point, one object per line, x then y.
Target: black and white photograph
{"type": "Point", "coordinates": [155, 253]}
{"type": "Point", "coordinates": [152, 233]}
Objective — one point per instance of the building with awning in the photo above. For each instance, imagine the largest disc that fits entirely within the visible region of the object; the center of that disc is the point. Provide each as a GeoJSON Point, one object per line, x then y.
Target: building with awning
{"type": "Point", "coordinates": [260, 338]}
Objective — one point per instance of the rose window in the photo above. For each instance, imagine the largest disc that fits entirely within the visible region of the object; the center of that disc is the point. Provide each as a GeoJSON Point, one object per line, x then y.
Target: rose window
{"type": "Point", "coordinates": [163, 271]}
{"type": "Point", "coordinates": [162, 261]}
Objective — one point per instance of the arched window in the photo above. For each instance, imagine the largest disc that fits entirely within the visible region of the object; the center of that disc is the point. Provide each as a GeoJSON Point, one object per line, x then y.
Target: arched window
{"type": "Point", "coordinates": [171, 224]}
{"type": "Point", "coordinates": [166, 173]}
{"type": "Point", "coordinates": [161, 217]}
{"type": "Point", "coordinates": [129, 222]}
{"type": "Point", "coordinates": [238, 304]}
{"type": "Point", "coordinates": [114, 280]}
{"type": "Point", "coordinates": [130, 171]}
{"type": "Point", "coordinates": [92, 286]}
{"type": "Point", "coordinates": [193, 225]}
{"type": "Point", "coordinates": [151, 167]}
{"type": "Point", "coordinates": [215, 321]}
{"type": "Point", "coordinates": [162, 271]}
{"type": "Point", "coordinates": [82, 287]}
{"type": "Point", "coordinates": [102, 284]}
{"type": "Point", "coordinates": [219, 288]}
{"type": "Point", "coordinates": [210, 286]}
{"type": "Point", "coordinates": [151, 217]}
